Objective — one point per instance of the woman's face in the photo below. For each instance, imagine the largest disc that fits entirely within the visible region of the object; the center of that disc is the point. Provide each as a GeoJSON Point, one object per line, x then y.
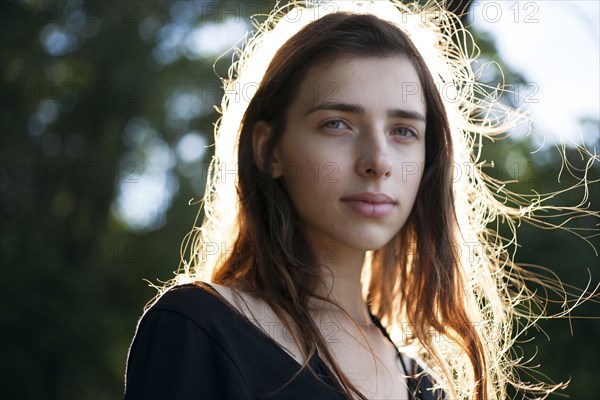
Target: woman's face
{"type": "Point", "coordinates": [353, 151]}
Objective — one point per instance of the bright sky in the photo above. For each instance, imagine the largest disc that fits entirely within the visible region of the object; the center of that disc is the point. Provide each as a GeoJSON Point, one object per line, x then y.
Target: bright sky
{"type": "Point", "coordinates": [555, 46]}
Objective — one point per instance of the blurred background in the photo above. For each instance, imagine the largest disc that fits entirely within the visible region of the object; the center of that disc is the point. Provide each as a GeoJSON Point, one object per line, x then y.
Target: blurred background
{"type": "Point", "coordinates": [106, 120]}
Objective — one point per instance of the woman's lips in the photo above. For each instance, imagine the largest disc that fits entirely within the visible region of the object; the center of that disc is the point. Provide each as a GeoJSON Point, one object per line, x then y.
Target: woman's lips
{"type": "Point", "coordinates": [371, 210]}
{"type": "Point", "coordinates": [372, 205]}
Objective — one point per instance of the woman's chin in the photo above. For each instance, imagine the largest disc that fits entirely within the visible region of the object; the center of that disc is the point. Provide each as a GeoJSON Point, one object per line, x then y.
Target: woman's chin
{"type": "Point", "coordinates": [369, 243]}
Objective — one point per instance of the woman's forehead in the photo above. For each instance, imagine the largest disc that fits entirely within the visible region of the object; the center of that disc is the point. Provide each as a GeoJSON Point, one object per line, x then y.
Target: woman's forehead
{"type": "Point", "coordinates": [366, 81]}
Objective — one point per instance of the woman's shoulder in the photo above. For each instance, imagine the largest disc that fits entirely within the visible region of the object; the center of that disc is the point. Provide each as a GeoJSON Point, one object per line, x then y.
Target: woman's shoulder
{"type": "Point", "coordinates": [196, 301]}
{"type": "Point", "coordinates": [180, 296]}
{"type": "Point", "coordinates": [179, 340]}
{"type": "Point", "coordinates": [207, 304]}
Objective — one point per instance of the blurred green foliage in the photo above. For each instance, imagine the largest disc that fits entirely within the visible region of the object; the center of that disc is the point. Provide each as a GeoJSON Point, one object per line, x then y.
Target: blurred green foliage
{"type": "Point", "coordinates": [79, 82]}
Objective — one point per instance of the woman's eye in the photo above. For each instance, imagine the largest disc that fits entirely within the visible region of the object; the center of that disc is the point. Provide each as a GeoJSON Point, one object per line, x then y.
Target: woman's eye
{"type": "Point", "coordinates": [335, 124]}
{"type": "Point", "coordinates": [404, 131]}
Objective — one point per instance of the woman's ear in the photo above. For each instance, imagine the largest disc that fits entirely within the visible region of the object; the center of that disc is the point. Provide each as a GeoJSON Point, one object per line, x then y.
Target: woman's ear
{"type": "Point", "coordinates": [260, 139]}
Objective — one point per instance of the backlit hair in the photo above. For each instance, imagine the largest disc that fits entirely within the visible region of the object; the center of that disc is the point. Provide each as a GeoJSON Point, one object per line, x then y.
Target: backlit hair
{"type": "Point", "coordinates": [445, 286]}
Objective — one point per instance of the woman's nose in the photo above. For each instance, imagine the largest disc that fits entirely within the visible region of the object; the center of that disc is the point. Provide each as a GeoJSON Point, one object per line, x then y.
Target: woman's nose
{"type": "Point", "coordinates": [374, 160]}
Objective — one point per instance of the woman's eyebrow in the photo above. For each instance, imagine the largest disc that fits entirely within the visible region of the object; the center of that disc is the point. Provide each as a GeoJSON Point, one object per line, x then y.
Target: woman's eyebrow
{"type": "Point", "coordinates": [406, 114]}
{"type": "Point", "coordinates": [333, 105]}
{"type": "Point", "coordinates": [358, 109]}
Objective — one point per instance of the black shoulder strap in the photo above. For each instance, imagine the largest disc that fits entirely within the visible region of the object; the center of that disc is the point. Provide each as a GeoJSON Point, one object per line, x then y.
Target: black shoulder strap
{"type": "Point", "coordinates": [412, 381]}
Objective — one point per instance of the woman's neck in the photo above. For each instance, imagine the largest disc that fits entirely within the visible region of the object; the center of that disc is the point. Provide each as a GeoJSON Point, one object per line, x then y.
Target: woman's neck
{"type": "Point", "coordinates": [341, 273]}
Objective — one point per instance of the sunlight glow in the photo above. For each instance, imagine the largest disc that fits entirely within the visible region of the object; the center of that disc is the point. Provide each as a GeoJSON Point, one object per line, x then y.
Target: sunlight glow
{"type": "Point", "coordinates": [555, 46]}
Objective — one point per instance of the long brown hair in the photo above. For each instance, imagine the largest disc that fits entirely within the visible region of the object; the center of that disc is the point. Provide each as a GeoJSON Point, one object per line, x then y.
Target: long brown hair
{"type": "Point", "coordinates": [272, 258]}
{"type": "Point", "coordinates": [456, 310]}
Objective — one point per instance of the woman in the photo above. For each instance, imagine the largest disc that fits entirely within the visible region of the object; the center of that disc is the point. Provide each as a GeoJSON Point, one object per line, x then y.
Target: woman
{"type": "Point", "coordinates": [353, 175]}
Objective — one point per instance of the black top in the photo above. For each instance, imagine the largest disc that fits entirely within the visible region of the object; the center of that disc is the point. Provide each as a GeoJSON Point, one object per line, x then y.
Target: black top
{"type": "Point", "coordinates": [191, 345]}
